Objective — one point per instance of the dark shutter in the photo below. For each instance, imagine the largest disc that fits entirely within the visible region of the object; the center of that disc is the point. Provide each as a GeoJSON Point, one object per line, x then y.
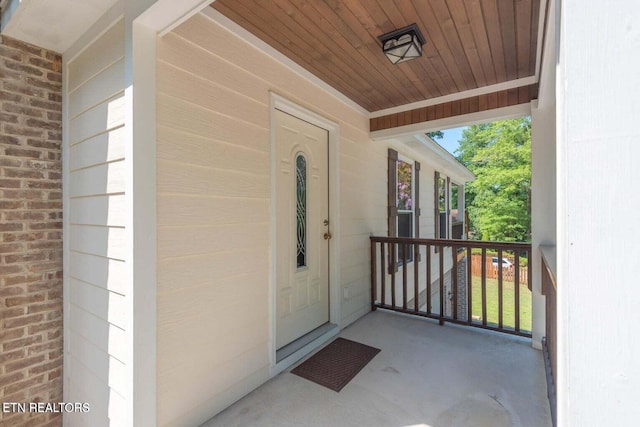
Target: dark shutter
{"type": "Point", "coordinates": [416, 204]}
{"type": "Point", "coordinates": [436, 203]}
{"type": "Point", "coordinates": [392, 197]}
{"type": "Point", "coordinates": [392, 203]}
{"type": "Point", "coordinates": [416, 199]}
{"type": "Point", "coordinates": [447, 198]}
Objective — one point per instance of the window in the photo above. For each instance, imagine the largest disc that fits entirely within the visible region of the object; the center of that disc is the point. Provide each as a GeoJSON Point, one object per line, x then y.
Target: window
{"type": "Point", "coordinates": [457, 211]}
{"type": "Point", "coordinates": [405, 197]}
{"type": "Point", "coordinates": [301, 211]}
{"type": "Point", "coordinates": [403, 201]}
{"type": "Point", "coordinates": [442, 206]}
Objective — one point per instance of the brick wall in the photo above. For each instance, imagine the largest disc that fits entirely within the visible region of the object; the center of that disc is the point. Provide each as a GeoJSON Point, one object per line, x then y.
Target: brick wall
{"type": "Point", "coordinates": [30, 230]}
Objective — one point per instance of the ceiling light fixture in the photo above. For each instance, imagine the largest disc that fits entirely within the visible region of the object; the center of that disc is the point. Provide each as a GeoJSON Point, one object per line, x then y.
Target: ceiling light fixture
{"type": "Point", "coordinates": [403, 44]}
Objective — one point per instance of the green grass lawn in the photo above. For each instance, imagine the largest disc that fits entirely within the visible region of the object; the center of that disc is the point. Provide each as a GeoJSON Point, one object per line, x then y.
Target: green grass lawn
{"type": "Point", "coordinates": [508, 302]}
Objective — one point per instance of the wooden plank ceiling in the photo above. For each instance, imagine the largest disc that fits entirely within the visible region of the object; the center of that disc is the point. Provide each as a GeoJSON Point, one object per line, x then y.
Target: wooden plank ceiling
{"type": "Point", "coordinates": [469, 43]}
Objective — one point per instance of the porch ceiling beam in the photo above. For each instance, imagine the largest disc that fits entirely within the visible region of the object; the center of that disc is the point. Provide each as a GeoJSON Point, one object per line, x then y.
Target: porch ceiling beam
{"type": "Point", "coordinates": [498, 87]}
{"type": "Point", "coordinates": [485, 116]}
{"type": "Point", "coordinates": [474, 104]}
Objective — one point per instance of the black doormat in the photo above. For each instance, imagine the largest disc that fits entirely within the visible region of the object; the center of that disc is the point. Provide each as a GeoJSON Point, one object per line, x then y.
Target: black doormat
{"type": "Point", "coordinates": [336, 364]}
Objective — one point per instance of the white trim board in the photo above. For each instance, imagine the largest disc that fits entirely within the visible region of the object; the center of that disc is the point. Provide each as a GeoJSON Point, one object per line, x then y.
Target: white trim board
{"type": "Point", "coordinates": [512, 84]}
{"type": "Point", "coordinates": [165, 15]}
{"type": "Point", "coordinates": [143, 21]}
{"type": "Point", "coordinates": [277, 102]}
{"type": "Point", "coordinates": [141, 194]}
{"type": "Point", "coordinates": [542, 30]}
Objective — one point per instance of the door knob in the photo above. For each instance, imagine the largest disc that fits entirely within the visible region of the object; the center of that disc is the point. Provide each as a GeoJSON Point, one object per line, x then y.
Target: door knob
{"type": "Point", "coordinates": [327, 236]}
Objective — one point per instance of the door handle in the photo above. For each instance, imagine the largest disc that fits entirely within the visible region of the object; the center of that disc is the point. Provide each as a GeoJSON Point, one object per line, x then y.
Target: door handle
{"type": "Point", "coordinates": [327, 236]}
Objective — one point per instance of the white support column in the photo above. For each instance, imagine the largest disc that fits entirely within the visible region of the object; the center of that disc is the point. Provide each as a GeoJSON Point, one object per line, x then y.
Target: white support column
{"type": "Point", "coordinates": [543, 205]}
{"type": "Point", "coordinates": [144, 21]}
{"type": "Point", "coordinates": [139, 71]}
{"type": "Point", "coordinates": [543, 175]}
{"type": "Point", "coordinates": [598, 152]}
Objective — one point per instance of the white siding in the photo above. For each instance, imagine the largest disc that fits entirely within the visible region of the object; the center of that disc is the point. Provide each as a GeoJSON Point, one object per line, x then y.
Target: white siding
{"type": "Point", "coordinates": [213, 191]}
{"type": "Point", "coordinates": [213, 214]}
{"type": "Point", "coordinates": [597, 174]}
{"type": "Point", "coordinates": [96, 331]}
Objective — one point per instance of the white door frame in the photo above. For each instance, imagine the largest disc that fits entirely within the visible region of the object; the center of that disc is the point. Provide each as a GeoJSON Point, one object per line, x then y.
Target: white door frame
{"type": "Point", "coordinates": [278, 102]}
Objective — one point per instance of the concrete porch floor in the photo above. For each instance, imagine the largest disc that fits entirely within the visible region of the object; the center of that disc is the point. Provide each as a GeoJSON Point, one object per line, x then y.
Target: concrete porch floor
{"type": "Point", "coordinates": [425, 375]}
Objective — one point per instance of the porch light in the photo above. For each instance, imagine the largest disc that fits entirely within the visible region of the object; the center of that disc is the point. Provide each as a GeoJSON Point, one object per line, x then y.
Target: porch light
{"type": "Point", "coordinates": [403, 44]}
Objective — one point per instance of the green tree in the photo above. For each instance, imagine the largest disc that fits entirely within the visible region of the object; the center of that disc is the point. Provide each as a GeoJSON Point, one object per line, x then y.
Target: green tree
{"type": "Point", "coordinates": [438, 134]}
{"type": "Point", "coordinates": [498, 201]}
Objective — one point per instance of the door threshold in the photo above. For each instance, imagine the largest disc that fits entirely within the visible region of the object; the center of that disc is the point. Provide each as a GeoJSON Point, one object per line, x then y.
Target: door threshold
{"type": "Point", "coordinates": [291, 353]}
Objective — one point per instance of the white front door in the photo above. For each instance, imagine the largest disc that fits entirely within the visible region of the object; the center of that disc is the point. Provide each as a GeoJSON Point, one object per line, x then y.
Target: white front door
{"type": "Point", "coordinates": [302, 227]}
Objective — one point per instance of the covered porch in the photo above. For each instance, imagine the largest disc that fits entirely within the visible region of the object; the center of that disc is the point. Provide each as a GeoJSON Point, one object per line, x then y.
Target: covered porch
{"type": "Point", "coordinates": [425, 375]}
{"type": "Point", "coordinates": [169, 202]}
{"type": "Point", "coordinates": [194, 304]}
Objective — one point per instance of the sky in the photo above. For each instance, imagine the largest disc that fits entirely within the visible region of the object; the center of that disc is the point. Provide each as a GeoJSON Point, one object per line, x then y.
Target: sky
{"type": "Point", "coordinates": [451, 138]}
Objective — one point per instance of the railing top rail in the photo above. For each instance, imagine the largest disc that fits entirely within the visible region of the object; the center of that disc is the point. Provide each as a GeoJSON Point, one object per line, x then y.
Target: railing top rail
{"type": "Point", "coordinates": [549, 262]}
{"type": "Point", "coordinates": [458, 243]}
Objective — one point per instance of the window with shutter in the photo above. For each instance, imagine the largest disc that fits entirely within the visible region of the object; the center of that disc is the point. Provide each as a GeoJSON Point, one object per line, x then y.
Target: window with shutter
{"type": "Point", "coordinates": [403, 200]}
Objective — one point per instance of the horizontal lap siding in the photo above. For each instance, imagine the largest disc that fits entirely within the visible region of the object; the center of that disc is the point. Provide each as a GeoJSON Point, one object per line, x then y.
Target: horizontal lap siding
{"type": "Point", "coordinates": [427, 187]}
{"type": "Point", "coordinates": [363, 210]}
{"type": "Point", "coordinates": [213, 201]}
{"type": "Point", "coordinates": [97, 349]}
{"type": "Point", "coordinates": [213, 219]}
